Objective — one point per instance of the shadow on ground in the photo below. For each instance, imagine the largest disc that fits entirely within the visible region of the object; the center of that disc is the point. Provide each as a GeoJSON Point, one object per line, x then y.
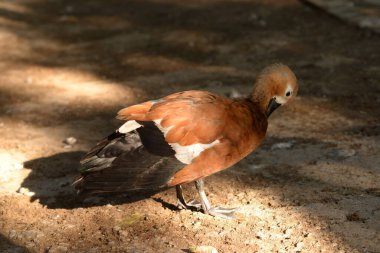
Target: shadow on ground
{"type": "Point", "coordinates": [7, 246]}
{"type": "Point", "coordinates": [51, 181]}
{"type": "Point", "coordinates": [309, 174]}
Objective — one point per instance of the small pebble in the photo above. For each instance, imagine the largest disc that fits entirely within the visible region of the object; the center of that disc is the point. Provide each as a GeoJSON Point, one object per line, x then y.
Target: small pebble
{"type": "Point", "coordinates": [346, 152]}
{"type": "Point", "coordinates": [12, 234]}
{"type": "Point", "coordinates": [29, 80]}
{"type": "Point", "coordinates": [282, 145]}
{"type": "Point", "coordinates": [18, 166]}
{"type": "Point", "coordinates": [299, 246]}
{"type": "Point", "coordinates": [253, 16]}
{"type": "Point", "coordinates": [235, 94]}
{"type": "Point", "coordinates": [26, 192]}
{"type": "Point", "coordinates": [203, 249]}
{"type": "Point", "coordinates": [288, 233]}
{"type": "Point", "coordinates": [341, 154]}
{"type": "Point", "coordinates": [70, 141]}
{"type": "Point", "coordinates": [57, 249]}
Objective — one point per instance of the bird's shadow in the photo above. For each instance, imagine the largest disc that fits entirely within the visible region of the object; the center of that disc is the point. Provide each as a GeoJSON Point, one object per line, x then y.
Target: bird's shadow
{"type": "Point", "coordinates": [166, 204]}
{"type": "Point", "coordinates": [51, 178]}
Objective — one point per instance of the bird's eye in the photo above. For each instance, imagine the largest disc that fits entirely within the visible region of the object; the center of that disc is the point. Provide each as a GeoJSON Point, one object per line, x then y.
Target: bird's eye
{"type": "Point", "coordinates": [288, 93]}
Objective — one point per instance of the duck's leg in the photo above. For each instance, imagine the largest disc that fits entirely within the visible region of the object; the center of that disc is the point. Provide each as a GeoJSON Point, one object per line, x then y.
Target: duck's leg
{"type": "Point", "coordinates": [181, 202]}
{"type": "Point", "coordinates": [227, 213]}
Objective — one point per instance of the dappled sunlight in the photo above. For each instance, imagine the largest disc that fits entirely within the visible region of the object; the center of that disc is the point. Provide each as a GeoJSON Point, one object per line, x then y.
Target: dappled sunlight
{"type": "Point", "coordinates": [68, 66]}
{"type": "Point", "coordinates": [8, 13]}
{"type": "Point", "coordinates": [343, 175]}
{"type": "Point", "coordinates": [14, 46]}
{"type": "Point", "coordinates": [66, 85]}
{"type": "Point", "coordinates": [14, 7]}
{"type": "Point", "coordinates": [69, 84]}
{"type": "Point", "coordinates": [278, 211]}
{"type": "Point", "coordinates": [11, 171]}
{"type": "Point", "coordinates": [56, 94]}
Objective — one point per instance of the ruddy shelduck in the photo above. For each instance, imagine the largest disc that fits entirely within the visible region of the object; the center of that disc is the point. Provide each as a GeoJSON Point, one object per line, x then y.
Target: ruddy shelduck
{"type": "Point", "coordinates": [185, 137]}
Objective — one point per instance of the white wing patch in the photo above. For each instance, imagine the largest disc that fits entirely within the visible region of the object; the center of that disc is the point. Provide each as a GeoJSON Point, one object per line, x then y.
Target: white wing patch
{"type": "Point", "coordinates": [163, 129]}
{"type": "Point", "coordinates": [129, 126]}
{"type": "Point", "coordinates": [186, 154]}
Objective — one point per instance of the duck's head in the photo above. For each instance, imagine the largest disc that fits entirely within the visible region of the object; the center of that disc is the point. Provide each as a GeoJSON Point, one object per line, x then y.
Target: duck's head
{"type": "Point", "coordinates": [275, 86]}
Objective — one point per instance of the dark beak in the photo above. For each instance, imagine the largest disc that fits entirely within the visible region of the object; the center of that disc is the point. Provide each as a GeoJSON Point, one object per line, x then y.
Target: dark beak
{"type": "Point", "coordinates": [273, 105]}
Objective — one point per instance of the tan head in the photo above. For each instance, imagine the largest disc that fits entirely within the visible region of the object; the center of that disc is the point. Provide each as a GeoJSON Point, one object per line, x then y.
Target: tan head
{"type": "Point", "coordinates": [275, 86]}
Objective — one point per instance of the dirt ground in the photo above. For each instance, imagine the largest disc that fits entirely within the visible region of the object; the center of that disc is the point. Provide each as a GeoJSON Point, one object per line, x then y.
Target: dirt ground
{"type": "Point", "coordinates": [68, 66]}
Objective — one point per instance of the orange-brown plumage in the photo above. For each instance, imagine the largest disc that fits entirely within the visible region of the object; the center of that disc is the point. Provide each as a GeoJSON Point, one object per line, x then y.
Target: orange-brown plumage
{"type": "Point", "coordinates": [135, 112]}
{"type": "Point", "coordinates": [239, 133]}
{"type": "Point", "coordinates": [198, 131]}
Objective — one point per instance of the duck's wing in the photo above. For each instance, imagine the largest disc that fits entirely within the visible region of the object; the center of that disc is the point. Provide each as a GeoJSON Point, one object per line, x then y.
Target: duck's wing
{"type": "Point", "coordinates": [121, 163]}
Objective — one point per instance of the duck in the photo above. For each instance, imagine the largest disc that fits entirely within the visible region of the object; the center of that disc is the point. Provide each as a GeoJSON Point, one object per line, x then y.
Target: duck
{"type": "Point", "coordinates": [185, 137]}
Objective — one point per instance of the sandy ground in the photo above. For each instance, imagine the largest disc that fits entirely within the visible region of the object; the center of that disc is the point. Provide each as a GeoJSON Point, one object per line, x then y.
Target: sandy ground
{"type": "Point", "coordinates": [68, 66]}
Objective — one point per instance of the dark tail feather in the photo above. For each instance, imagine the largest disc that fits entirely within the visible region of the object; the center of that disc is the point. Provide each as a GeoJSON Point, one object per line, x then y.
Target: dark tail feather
{"type": "Point", "coordinates": [121, 163]}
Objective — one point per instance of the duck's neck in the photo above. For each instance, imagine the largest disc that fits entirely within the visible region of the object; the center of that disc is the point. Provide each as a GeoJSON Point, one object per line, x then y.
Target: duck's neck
{"type": "Point", "coordinates": [259, 117]}
{"type": "Point", "coordinates": [260, 101]}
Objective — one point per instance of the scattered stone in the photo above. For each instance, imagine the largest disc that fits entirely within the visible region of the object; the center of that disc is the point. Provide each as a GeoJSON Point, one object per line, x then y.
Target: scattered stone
{"type": "Point", "coordinates": [69, 8]}
{"type": "Point", "coordinates": [30, 245]}
{"type": "Point", "coordinates": [57, 249]}
{"type": "Point", "coordinates": [197, 225]}
{"type": "Point", "coordinates": [253, 16]}
{"type": "Point", "coordinates": [70, 141]}
{"type": "Point", "coordinates": [116, 228]}
{"type": "Point", "coordinates": [240, 196]}
{"type": "Point", "coordinates": [341, 154]}
{"type": "Point", "coordinates": [203, 249]}
{"type": "Point", "coordinates": [130, 220]}
{"type": "Point", "coordinates": [12, 234]}
{"type": "Point", "coordinates": [235, 94]}
{"type": "Point", "coordinates": [346, 153]}
{"type": "Point", "coordinates": [261, 235]}
{"type": "Point", "coordinates": [18, 166]}
{"type": "Point", "coordinates": [288, 233]}
{"type": "Point", "coordinates": [257, 167]}
{"type": "Point", "coordinates": [282, 145]}
{"type": "Point", "coordinates": [262, 22]}
{"type": "Point", "coordinates": [299, 246]}
{"type": "Point", "coordinates": [29, 80]}
{"type": "Point", "coordinates": [25, 191]}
